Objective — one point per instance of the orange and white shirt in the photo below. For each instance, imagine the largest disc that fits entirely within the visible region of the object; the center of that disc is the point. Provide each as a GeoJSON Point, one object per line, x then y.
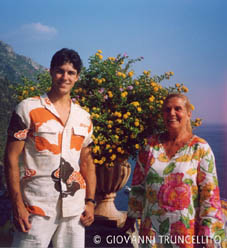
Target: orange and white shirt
{"type": "Point", "coordinates": [51, 155]}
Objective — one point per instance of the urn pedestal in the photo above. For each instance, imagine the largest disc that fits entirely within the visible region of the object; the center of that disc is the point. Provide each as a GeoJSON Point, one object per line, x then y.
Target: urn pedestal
{"type": "Point", "coordinates": [109, 181]}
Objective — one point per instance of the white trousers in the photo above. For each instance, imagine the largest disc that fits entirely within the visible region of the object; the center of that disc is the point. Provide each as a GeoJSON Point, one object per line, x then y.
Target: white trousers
{"type": "Point", "coordinates": [65, 232]}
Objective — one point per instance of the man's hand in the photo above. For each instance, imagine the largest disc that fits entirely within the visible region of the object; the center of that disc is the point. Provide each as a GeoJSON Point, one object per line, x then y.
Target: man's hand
{"type": "Point", "coordinates": [21, 218]}
{"type": "Point", "coordinates": [210, 243]}
{"type": "Point", "coordinates": [129, 224]}
{"type": "Point", "coordinates": [87, 216]}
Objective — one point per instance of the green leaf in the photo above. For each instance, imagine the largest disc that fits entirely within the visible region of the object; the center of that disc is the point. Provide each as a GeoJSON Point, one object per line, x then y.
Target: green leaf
{"type": "Point", "coordinates": [185, 220]}
{"type": "Point", "coordinates": [211, 165]}
{"type": "Point", "coordinates": [219, 233]}
{"type": "Point", "coordinates": [153, 177]}
{"type": "Point", "coordinates": [215, 180]}
{"type": "Point", "coordinates": [190, 209]}
{"type": "Point", "coordinates": [169, 168]}
{"type": "Point", "coordinates": [188, 181]}
{"type": "Point", "coordinates": [156, 148]}
{"type": "Point", "coordinates": [164, 227]}
{"type": "Point", "coordinates": [196, 201]}
{"type": "Point", "coordinates": [195, 147]}
{"type": "Point", "coordinates": [206, 222]}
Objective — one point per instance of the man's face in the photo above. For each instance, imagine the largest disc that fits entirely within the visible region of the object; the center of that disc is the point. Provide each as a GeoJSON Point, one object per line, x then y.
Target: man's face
{"type": "Point", "coordinates": [64, 78]}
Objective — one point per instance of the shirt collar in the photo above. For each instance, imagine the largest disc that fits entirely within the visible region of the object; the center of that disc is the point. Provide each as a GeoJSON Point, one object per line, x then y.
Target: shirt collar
{"type": "Point", "coordinates": [45, 101]}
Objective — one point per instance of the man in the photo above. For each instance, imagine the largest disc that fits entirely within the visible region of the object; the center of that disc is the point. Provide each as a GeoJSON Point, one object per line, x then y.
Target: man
{"type": "Point", "coordinates": [54, 198]}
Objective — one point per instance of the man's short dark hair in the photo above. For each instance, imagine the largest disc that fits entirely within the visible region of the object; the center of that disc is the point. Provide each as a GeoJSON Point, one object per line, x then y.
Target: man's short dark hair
{"type": "Point", "coordinates": [66, 55]}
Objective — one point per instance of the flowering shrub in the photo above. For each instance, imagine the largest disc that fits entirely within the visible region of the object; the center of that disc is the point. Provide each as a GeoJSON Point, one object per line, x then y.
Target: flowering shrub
{"type": "Point", "coordinates": [124, 109]}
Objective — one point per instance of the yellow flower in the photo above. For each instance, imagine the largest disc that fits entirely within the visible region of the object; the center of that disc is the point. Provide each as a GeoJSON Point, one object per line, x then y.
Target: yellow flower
{"type": "Point", "coordinates": [156, 88]}
{"type": "Point", "coordinates": [111, 58]}
{"type": "Point", "coordinates": [125, 116]}
{"type": "Point", "coordinates": [137, 82]}
{"type": "Point", "coordinates": [192, 107]}
{"type": "Point", "coordinates": [163, 158]}
{"type": "Point", "coordinates": [151, 98]}
{"type": "Point", "coordinates": [171, 73]}
{"type": "Point", "coordinates": [184, 158]}
{"type": "Point", "coordinates": [109, 126]}
{"type": "Point", "coordinates": [177, 85]}
{"type": "Point", "coordinates": [124, 94]}
{"type": "Point", "coordinates": [185, 89]}
{"type": "Point", "coordinates": [139, 109]}
{"type": "Point", "coordinates": [119, 149]}
{"type": "Point", "coordinates": [136, 123]}
{"type": "Point", "coordinates": [146, 72]}
{"type": "Point", "coordinates": [118, 73]}
{"type": "Point", "coordinates": [96, 149]}
{"type": "Point", "coordinates": [137, 146]}
{"type": "Point", "coordinates": [123, 75]}
{"type": "Point", "coordinates": [135, 104]}
{"type": "Point", "coordinates": [153, 83]}
{"type": "Point", "coordinates": [217, 226]}
{"type": "Point", "coordinates": [99, 56]}
{"type": "Point", "coordinates": [99, 51]}
{"type": "Point", "coordinates": [118, 130]}
{"type": "Point", "coordinates": [133, 136]}
{"type": "Point", "coordinates": [24, 92]}
{"type": "Point", "coordinates": [191, 171]}
{"type": "Point", "coordinates": [32, 88]}
{"type": "Point", "coordinates": [130, 74]}
{"type": "Point", "coordinates": [194, 190]}
{"type": "Point", "coordinates": [110, 94]}
{"type": "Point", "coordinates": [113, 157]}
{"type": "Point", "coordinates": [118, 114]}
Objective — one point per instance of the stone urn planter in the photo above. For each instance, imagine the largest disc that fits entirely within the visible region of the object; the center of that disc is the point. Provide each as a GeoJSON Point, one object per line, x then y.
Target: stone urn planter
{"type": "Point", "coordinates": [109, 181]}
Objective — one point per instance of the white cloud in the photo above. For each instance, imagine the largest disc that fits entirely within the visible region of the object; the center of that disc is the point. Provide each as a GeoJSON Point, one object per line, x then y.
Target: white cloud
{"type": "Point", "coordinates": [37, 31]}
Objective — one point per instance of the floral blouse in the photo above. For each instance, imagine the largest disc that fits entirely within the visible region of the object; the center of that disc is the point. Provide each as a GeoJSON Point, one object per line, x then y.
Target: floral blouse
{"type": "Point", "coordinates": [177, 199]}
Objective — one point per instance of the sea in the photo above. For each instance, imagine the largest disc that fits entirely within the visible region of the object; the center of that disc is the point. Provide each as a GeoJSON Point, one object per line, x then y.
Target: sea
{"type": "Point", "coordinates": [216, 136]}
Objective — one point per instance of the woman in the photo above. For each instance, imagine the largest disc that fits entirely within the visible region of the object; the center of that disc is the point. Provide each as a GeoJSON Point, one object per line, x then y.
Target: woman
{"type": "Point", "coordinates": [174, 188]}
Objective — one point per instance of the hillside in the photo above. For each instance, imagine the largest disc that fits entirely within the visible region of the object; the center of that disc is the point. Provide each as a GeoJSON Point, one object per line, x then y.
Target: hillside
{"type": "Point", "coordinates": [12, 68]}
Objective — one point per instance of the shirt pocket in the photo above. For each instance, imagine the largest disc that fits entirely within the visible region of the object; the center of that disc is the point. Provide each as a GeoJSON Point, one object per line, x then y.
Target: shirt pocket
{"type": "Point", "coordinates": [78, 136]}
{"type": "Point", "coordinates": [48, 140]}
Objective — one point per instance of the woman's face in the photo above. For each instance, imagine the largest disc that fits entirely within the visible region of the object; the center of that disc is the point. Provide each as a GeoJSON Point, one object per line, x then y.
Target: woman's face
{"type": "Point", "coordinates": [175, 114]}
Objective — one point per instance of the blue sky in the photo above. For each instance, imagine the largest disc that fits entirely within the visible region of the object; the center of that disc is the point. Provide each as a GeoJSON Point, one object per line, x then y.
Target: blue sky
{"type": "Point", "coordinates": [188, 37]}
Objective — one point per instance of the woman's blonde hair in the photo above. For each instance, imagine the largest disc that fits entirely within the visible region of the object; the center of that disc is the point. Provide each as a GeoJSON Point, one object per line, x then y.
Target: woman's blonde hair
{"type": "Point", "coordinates": [187, 105]}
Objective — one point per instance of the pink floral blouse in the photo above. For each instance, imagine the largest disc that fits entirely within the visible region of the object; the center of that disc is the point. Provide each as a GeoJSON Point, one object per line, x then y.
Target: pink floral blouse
{"type": "Point", "coordinates": [177, 199]}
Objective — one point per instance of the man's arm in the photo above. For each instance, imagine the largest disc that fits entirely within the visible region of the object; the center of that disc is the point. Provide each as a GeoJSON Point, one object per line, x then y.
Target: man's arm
{"type": "Point", "coordinates": [12, 153]}
{"type": "Point", "coordinates": [87, 169]}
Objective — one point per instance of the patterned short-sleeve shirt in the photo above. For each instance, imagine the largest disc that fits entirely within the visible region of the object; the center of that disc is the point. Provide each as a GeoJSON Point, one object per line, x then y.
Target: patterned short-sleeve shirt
{"type": "Point", "coordinates": [51, 155]}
